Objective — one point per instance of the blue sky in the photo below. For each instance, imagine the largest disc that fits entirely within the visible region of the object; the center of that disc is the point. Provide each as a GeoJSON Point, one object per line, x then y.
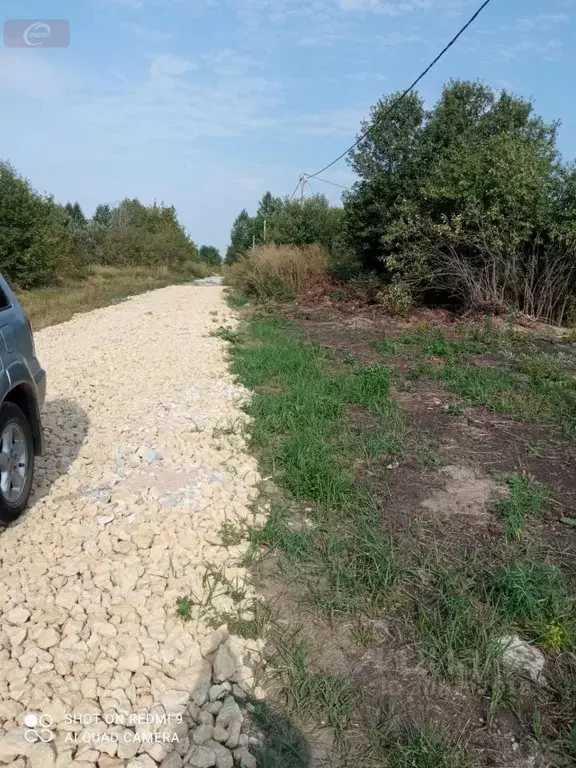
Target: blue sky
{"type": "Point", "coordinates": [206, 104]}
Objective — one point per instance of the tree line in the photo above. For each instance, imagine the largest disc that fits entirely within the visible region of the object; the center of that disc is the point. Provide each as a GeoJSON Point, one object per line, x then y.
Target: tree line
{"type": "Point", "coordinates": [42, 240]}
{"type": "Point", "coordinates": [468, 204]}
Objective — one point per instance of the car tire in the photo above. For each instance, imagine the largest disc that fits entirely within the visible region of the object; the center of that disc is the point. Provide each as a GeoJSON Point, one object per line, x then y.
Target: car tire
{"type": "Point", "coordinates": [16, 462]}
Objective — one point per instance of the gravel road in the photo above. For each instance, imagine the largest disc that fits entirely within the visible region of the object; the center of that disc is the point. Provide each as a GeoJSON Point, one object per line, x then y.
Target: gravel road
{"type": "Point", "coordinates": [145, 462]}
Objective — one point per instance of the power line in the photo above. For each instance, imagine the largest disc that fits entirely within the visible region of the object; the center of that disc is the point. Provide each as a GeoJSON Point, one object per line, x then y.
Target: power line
{"type": "Point", "coordinates": [406, 92]}
{"type": "Point", "coordinates": [296, 189]}
{"type": "Point", "coordinates": [330, 182]}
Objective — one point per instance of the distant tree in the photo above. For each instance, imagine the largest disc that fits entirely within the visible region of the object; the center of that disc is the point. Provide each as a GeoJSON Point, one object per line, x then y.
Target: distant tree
{"type": "Point", "coordinates": [102, 215]}
{"type": "Point", "coordinates": [269, 205]}
{"type": "Point", "coordinates": [76, 214]}
{"type": "Point", "coordinates": [210, 255]}
{"type": "Point", "coordinates": [240, 237]}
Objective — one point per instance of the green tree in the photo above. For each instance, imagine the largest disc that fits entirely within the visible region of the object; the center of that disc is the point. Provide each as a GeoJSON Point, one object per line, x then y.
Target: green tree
{"type": "Point", "coordinates": [240, 237]}
{"type": "Point", "coordinates": [102, 215]}
{"type": "Point", "coordinates": [76, 214]}
{"type": "Point", "coordinates": [478, 156]}
{"type": "Point", "coordinates": [474, 187]}
{"type": "Point", "coordinates": [210, 255]}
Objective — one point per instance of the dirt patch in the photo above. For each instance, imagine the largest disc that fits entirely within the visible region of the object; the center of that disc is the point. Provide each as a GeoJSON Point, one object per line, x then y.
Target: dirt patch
{"type": "Point", "coordinates": [466, 493]}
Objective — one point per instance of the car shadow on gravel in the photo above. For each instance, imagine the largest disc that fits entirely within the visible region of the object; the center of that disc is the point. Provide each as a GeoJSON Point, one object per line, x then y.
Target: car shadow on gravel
{"type": "Point", "coordinates": [65, 428]}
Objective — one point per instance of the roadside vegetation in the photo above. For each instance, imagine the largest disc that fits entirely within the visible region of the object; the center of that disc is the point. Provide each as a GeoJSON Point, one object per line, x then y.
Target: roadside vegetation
{"type": "Point", "coordinates": [60, 262]}
{"type": "Point", "coordinates": [468, 204]}
{"type": "Point", "coordinates": [413, 366]}
{"type": "Point", "coordinates": [371, 587]}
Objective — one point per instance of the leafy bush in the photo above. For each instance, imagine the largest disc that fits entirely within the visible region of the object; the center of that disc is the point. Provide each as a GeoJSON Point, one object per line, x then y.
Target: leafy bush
{"type": "Point", "coordinates": [467, 202]}
{"type": "Point", "coordinates": [277, 272]}
{"type": "Point", "coordinates": [395, 299]}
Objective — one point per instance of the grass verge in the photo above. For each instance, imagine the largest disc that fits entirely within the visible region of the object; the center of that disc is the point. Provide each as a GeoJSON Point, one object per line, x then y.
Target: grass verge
{"type": "Point", "coordinates": [103, 286]}
{"type": "Point", "coordinates": [326, 429]}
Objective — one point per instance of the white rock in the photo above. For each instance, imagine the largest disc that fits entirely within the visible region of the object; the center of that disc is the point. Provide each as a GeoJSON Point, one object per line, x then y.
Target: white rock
{"type": "Point", "coordinates": [202, 734]}
{"type": "Point", "coordinates": [245, 758]}
{"type": "Point", "coordinates": [48, 638]}
{"type": "Point", "coordinates": [224, 665]}
{"type": "Point", "coordinates": [200, 757]}
{"type": "Point", "coordinates": [41, 756]}
{"type": "Point", "coordinates": [212, 642]}
{"type": "Point", "coordinates": [230, 713]}
{"type": "Point", "coordinates": [173, 760]}
{"type": "Point", "coordinates": [17, 616]}
{"type": "Point", "coordinates": [132, 661]}
{"type": "Point", "coordinates": [522, 656]}
{"type": "Point", "coordinates": [13, 744]}
{"type": "Point", "coordinates": [142, 761]}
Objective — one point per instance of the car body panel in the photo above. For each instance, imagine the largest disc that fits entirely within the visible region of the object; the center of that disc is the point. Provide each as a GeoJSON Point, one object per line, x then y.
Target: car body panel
{"type": "Point", "coordinates": [21, 374]}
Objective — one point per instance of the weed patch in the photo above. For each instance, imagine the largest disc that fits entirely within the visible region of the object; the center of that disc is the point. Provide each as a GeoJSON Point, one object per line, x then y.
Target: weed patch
{"type": "Point", "coordinates": [412, 746]}
{"type": "Point", "coordinates": [525, 498]}
{"type": "Point", "coordinates": [535, 597]}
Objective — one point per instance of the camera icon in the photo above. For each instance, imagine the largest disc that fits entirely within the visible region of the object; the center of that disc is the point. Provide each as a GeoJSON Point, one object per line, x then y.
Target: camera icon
{"type": "Point", "coordinates": [38, 728]}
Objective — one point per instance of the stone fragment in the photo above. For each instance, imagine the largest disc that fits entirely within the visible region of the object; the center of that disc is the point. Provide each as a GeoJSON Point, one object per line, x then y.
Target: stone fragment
{"type": "Point", "coordinates": [202, 734]}
{"type": "Point", "coordinates": [522, 656]}
{"type": "Point", "coordinates": [200, 757]}
{"type": "Point", "coordinates": [224, 665]}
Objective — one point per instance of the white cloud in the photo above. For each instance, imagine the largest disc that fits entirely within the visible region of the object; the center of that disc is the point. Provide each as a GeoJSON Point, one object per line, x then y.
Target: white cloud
{"type": "Point", "coordinates": [148, 35]}
{"type": "Point", "coordinates": [166, 66]}
{"type": "Point", "coordinates": [543, 20]}
{"type": "Point", "coordinates": [29, 73]}
{"type": "Point", "coordinates": [548, 50]}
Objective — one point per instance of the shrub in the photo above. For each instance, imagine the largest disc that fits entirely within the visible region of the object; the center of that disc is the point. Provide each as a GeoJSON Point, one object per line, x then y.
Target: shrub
{"type": "Point", "coordinates": [278, 272]}
{"type": "Point", "coordinates": [395, 299]}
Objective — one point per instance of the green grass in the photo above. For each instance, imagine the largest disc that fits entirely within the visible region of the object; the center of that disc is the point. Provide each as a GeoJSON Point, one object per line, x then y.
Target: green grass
{"type": "Point", "coordinates": [278, 534]}
{"type": "Point", "coordinates": [525, 498]}
{"type": "Point", "coordinates": [459, 635]}
{"type": "Point", "coordinates": [434, 342]}
{"type": "Point", "coordinates": [534, 389]}
{"type": "Point", "coordinates": [359, 574]}
{"type": "Point", "coordinates": [283, 745]}
{"type": "Point", "coordinates": [535, 597]}
{"type": "Point", "coordinates": [330, 699]}
{"type": "Point", "coordinates": [237, 299]}
{"type": "Point", "coordinates": [298, 409]}
{"type": "Point", "coordinates": [384, 347]}
{"type": "Point", "coordinates": [227, 334]}
{"type": "Point", "coordinates": [413, 747]}
{"type": "Point", "coordinates": [184, 608]}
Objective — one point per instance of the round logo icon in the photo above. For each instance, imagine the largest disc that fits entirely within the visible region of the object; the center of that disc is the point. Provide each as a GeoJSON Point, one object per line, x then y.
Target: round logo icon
{"type": "Point", "coordinates": [37, 33]}
{"type": "Point", "coordinates": [38, 728]}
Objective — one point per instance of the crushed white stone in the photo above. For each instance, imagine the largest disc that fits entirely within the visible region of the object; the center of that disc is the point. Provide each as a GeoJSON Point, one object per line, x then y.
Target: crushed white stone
{"type": "Point", "coordinates": [145, 461]}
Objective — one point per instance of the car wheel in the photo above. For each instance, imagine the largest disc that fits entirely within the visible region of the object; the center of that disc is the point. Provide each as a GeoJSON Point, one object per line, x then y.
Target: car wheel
{"type": "Point", "coordinates": [16, 461]}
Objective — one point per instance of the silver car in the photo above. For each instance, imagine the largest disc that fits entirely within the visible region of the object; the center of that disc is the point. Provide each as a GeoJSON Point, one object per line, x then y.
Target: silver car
{"type": "Point", "coordinates": [22, 392]}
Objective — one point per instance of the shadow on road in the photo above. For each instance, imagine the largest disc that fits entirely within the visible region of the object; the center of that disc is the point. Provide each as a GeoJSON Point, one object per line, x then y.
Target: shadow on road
{"type": "Point", "coordinates": [65, 429]}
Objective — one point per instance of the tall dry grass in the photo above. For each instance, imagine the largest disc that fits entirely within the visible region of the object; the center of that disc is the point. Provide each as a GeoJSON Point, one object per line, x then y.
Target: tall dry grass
{"type": "Point", "coordinates": [278, 271]}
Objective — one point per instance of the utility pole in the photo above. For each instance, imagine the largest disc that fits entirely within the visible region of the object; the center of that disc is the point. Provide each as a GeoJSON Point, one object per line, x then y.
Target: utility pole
{"type": "Point", "coordinates": [264, 229]}
{"type": "Point", "coordinates": [253, 243]}
{"type": "Point", "coordinates": [303, 178]}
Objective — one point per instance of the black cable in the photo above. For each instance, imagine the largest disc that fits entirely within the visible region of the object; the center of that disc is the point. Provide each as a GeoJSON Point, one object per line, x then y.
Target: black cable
{"type": "Point", "coordinates": [406, 92]}
{"type": "Point", "coordinates": [330, 182]}
{"type": "Point", "coordinates": [296, 190]}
